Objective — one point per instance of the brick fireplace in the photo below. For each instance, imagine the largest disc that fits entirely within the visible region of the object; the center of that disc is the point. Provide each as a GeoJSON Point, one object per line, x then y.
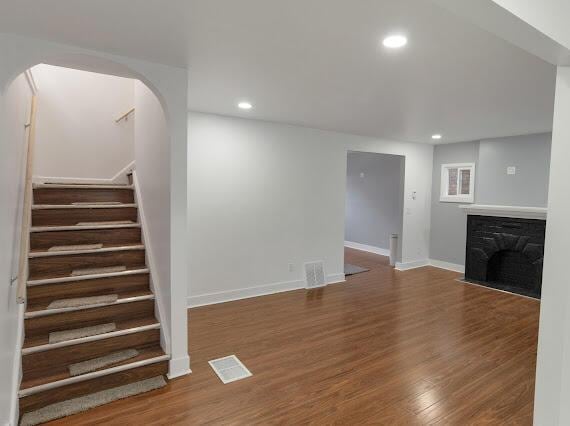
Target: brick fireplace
{"type": "Point", "coordinates": [505, 253]}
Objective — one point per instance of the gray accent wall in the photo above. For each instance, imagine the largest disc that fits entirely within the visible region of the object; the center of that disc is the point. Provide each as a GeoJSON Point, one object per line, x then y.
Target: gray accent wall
{"type": "Point", "coordinates": [530, 154]}
{"type": "Point", "coordinates": [448, 222]}
{"type": "Point", "coordinates": [374, 198]}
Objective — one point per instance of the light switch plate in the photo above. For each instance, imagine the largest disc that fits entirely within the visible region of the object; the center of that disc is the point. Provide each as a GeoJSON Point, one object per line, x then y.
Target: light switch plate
{"type": "Point", "coordinates": [512, 170]}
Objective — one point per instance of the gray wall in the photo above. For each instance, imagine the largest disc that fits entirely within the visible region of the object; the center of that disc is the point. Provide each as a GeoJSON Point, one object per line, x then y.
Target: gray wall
{"type": "Point", "coordinates": [529, 186]}
{"type": "Point", "coordinates": [448, 222]}
{"type": "Point", "coordinates": [530, 155]}
{"type": "Point", "coordinates": [374, 200]}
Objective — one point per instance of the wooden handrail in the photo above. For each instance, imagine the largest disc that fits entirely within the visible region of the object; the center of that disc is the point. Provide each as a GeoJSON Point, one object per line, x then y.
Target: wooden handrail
{"type": "Point", "coordinates": [125, 115]}
{"type": "Point", "coordinates": [27, 209]}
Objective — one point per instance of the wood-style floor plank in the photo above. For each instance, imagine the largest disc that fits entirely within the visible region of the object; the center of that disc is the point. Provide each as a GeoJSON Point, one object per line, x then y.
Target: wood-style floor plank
{"type": "Point", "coordinates": [386, 347]}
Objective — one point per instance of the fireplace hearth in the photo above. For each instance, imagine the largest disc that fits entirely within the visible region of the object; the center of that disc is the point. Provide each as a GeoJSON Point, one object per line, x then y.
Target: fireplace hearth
{"type": "Point", "coordinates": [505, 253]}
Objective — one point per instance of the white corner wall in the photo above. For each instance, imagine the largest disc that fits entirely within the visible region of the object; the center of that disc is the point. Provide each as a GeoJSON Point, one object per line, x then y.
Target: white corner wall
{"type": "Point", "coordinates": [265, 195]}
{"type": "Point", "coordinates": [552, 391]}
{"type": "Point", "coordinates": [152, 159]}
{"type": "Point", "coordinates": [15, 104]}
{"type": "Point", "coordinates": [77, 136]}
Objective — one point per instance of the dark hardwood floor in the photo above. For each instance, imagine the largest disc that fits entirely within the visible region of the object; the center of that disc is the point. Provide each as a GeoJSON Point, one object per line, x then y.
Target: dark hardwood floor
{"type": "Point", "coordinates": [386, 347]}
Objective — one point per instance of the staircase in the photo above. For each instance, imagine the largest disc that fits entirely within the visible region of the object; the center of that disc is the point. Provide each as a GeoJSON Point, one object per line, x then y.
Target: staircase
{"type": "Point", "coordinates": [88, 299]}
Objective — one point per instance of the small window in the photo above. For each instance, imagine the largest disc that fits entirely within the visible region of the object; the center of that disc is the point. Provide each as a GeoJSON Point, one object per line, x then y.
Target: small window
{"type": "Point", "coordinates": [458, 183]}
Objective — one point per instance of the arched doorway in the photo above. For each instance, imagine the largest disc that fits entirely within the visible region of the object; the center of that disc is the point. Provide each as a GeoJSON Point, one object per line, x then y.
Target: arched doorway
{"type": "Point", "coordinates": [169, 86]}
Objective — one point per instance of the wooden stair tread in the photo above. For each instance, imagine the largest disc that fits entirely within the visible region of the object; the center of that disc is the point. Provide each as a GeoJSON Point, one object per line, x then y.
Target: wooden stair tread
{"type": "Point", "coordinates": [43, 339]}
{"type": "Point", "coordinates": [126, 295]}
{"type": "Point", "coordinates": [82, 206]}
{"type": "Point", "coordinates": [58, 373]}
{"type": "Point", "coordinates": [49, 276]}
{"type": "Point", "coordinates": [63, 265]}
{"type": "Point", "coordinates": [105, 246]}
{"type": "Point", "coordinates": [82, 227]}
{"type": "Point", "coordinates": [71, 278]}
{"type": "Point", "coordinates": [81, 186]}
{"type": "Point", "coordinates": [104, 249]}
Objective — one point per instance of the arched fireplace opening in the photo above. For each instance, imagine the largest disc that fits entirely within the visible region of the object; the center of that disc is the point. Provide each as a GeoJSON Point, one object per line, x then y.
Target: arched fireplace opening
{"type": "Point", "coordinates": [505, 253]}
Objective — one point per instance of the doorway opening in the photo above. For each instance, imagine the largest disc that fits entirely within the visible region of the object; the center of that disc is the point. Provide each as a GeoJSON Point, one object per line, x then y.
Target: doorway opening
{"type": "Point", "coordinates": [374, 207]}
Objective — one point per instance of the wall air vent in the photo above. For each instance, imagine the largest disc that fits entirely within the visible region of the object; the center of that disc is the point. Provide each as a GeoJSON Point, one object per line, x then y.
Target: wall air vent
{"type": "Point", "coordinates": [315, 274]}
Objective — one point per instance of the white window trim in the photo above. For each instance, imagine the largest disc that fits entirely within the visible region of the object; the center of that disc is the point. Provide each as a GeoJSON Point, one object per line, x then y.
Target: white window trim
{"type": "Point", "coordinates": [459, 198]}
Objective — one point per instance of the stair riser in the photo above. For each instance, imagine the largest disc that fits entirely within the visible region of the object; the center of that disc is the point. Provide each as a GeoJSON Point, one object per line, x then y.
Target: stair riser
{"type": "Point", "coordinates": [114, 285]}
{"type": "Point", "coordinates": [88, 317]}
{"type": "Point", "coordinates": [34, 365]}
{"type": "Point", "coordinates": [63, 265]}
{"type": "Point", "coordinates": [39, 400]}
{"type": "Point", "coordinates": [65, 217]}
{"type": "Point", "coordinates": [55, 196]}
{"type": "Point", "coordinates": [109, 237]}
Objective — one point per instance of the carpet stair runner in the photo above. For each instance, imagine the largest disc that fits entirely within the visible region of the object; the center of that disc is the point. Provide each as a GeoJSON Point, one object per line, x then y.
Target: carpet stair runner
{"type": "Point", "coordinates": [91, 331]}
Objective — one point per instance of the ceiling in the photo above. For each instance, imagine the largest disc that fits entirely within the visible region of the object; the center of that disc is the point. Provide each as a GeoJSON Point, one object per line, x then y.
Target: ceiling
{"type": "Point", "coordinates": [318, 63]}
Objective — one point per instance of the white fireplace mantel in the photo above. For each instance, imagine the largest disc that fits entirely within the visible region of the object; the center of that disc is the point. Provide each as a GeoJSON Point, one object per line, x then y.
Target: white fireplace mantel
{"type": "Point", "coordinates": [505, 211]}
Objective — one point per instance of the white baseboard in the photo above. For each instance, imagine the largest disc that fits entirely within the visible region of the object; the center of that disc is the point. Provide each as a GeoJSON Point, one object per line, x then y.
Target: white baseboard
{"type": "Point", "coordinates": [447, 265]}
{"type": "Point", "coordinates": [370, 249]}
{"type": "Point", "coordinates": [243, 293]}
{"type": "Point", "coordinates": [120, 177]}
{"type": "Point", "coordinates": [262, 290]}
{"type": "Point", "coordinates": [179, 367]}
{"type": "Point", "coordinates": [406, 266]}
{"type": "Point", "coordinates": [336, 279]}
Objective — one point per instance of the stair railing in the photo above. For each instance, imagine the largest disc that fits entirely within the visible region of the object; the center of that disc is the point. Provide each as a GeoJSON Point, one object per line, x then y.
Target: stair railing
{"type": "Point", "coordinates": [27, 209]}
{"type": "Point", "coordinates": [125, 116]}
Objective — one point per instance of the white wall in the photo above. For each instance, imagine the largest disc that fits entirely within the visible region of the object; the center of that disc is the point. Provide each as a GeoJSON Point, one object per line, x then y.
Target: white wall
{"type": "Point", "coordinates": [553, 365]}
{"type": "Point", "coordinates": [170, 85]}
{"type": "Point", "coordinates": [15, 104]}
{"type": "Point", "coordinates": [77, 136]}
{"type": "Point", "coordinates": [152, 154]}
{"type": "Point", "coordinates": [264, 195]}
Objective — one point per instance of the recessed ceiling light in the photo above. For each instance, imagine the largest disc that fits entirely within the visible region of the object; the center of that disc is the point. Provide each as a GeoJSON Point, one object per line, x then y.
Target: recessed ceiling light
{"type": "Point", "coordinates": [395, 41]}
{"type": "Point", "coordinates": [436, 137]}
{"type": "Point", "coordinates": [245, 105]}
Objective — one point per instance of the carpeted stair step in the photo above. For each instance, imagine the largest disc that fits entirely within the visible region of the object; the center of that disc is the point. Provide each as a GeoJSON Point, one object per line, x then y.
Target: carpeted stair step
{"type": "Point", "coordinates": [42, 342]}
{"type": "Point", "coordinates": [38, 397]}
{"type": "Point", "coordinates": [76, 302]}
{"type": "Point", "coordinates": [104, 361]}
{"type": "Point", "coordinates": [117, 283]}
{"type": "Point", "coordinates": [83, 403]}
{"type": "Point", "coordinates": [38, 370]}
{"type": "Point", "coordinates": [80, 333]}
{"type": "Point", "coordinates": [122, 310]}
{"type": "Point", "coordinates": [80, 247]}
{"type": "Point", "coordinates": [68, 304]}
{"type": "Point", "coordinates": [53, 265]}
